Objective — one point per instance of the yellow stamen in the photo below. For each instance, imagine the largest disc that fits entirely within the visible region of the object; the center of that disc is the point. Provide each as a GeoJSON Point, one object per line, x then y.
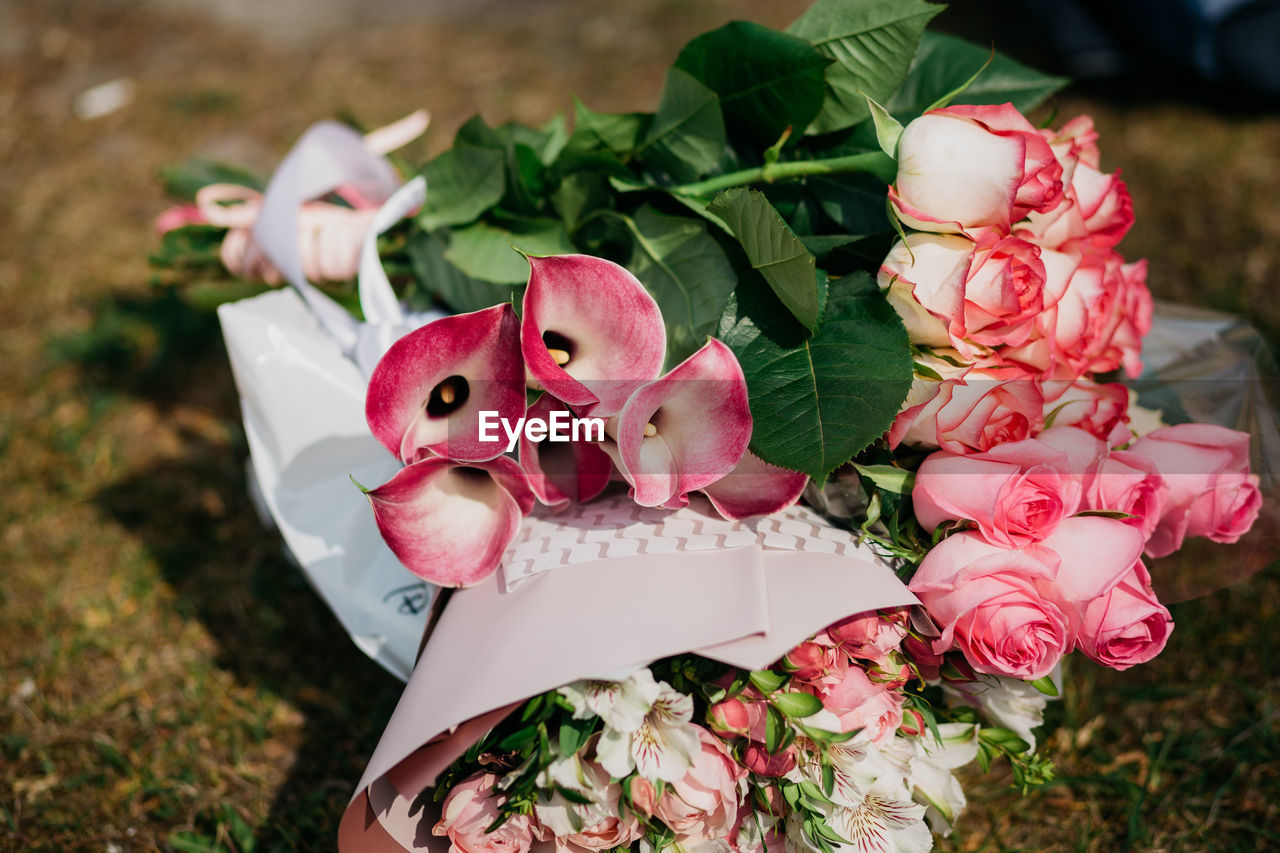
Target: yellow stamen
{"type": "Point", "coordinates": [650, 430]}
{"type": "Point", "coordinates": [447, 394]}
{"type": "Point", "coordinates": [559, 356]}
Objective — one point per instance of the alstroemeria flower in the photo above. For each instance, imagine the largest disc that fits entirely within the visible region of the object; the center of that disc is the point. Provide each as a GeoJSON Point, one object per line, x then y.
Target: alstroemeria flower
{"type": "Point", "coordinates": [755, 487]}
{"type": "Point", "coordinates": [663, 745]}
{"type": "Point", "coordinates": [590, 332]}
{"type": "Point", "coordinates": [428, 390]}
{"type": "Point", "coordinates": [566, 472]}
{"type": "Point", "coordinates": [449, 522]}
{"type": "Point", "coordinates": [684, 431]}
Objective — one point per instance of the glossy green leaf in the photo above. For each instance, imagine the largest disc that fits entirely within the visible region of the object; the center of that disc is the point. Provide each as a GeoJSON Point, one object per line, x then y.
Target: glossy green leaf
{"type": "Point", "coordinates": [767, 81]}
{"type": "Point", "coordinates": [687, 273]}
{"type": "Point", "coordinates": [797, 704]}
{"type": "Point", "coordinates": [451, 285]}
{"type": "Point", "coordinates": [492, 252]}
{"type": "Point", "coordinates": [818, 400]}
{"type": "Point", "coordinates": [775, 251]}
{"type": "Point", "coordinates": [462, 183]}
{"type": "Point", "coordinates": [618, 133]}
{"type": "Point", "coordinates": [687, 135]}
{"type": "Point", "coordinates": [944, 62]}
{"type": "Point", "coordinates": [872, 43]}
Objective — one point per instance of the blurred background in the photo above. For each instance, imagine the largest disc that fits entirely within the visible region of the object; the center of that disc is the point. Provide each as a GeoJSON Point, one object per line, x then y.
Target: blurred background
{"type": "Point", "coordinates": [167, 679]}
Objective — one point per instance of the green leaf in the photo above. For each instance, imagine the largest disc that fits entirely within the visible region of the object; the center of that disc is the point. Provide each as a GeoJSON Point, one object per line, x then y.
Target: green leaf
{"type": "Point", "coordinates": [462, 183]}
{"type": "Point", "coordinates": [766, 680]}
{"type": "Point", "coordinates": [492, 252]}
{"type": "Point", "coordinates": [854, 202]}
{"type": "Point", "coordinates": [774, 250]}
{"type": "Point", "coordinates": [1003, 739]}
{"type": "Point", "coordinates": [944, 62]}
{"type": "Point", "coordinates": [1045, 685]}
{"type": "Point", "coordinates": [872, 43]}
{"type": "Point", "coordinates": [618, 133]}
{"type": "Point", "coordinates": [817, 401]}
{"type": "Point", "coordinates": [687, 135]}
{"type": "Point", "coordinates": [888, 128]}
{"type": "Point", "coordinates": [185, 180]}
{"type": "Point", "coordinates": [797, 704]}
{"type": "Point", "coordinates": [687, 273]}
{"type": "Point", "coordinates": [767, 81]}
{"type": "Point", "coordinates": [449, 284]}
{"type": "Point", "coordinates": [774, 729]}
{"type": "Point", "coordinates": [890, 478]}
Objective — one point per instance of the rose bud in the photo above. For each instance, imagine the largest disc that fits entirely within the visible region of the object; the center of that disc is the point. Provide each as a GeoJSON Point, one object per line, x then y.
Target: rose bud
{"type": "Point", "coordinates": [964, 167]}
{"type": "Point", "coordinates": [590, 332]}
{"type": "Point", "coordinates": [683, 431]}
{"type": "Point", "coordinates": [427, 391]}
{"type": "Point", "coordinates": [449, 522]}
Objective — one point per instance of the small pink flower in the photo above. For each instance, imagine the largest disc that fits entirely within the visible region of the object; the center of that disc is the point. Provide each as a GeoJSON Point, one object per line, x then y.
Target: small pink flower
{"type": "Point", "coordinates": [561, 473]}
{"type": "Point", "coordinates": [1128, 625]}
{"type": "Point", "coordinates": [1208, 490]}
{"type": "Point", "coordinates": [685, 430]}
{"type": "Point", "coordinates": [469, 809]}
{"type": "Point", "coordinates": [812, 662]}
{"type": "Point", "coordinates": [745, 716]}
{"type": "Point", "coordinates": [965, 167]}
{"type": "Point", "coordinates": [590, 332]}
{"type": "Point", "coordinates": [861, 703]}
{"type": "Point", "coordinates": [1016, 493]}
{"type": "Point", "coordinates": [450, 522]}
{"type": "Point", "coordinates": [703, 804]}
{"type": "Point", "coordinates": [428, 390]}
{"type": "Point", "coordinates": [870, 636]}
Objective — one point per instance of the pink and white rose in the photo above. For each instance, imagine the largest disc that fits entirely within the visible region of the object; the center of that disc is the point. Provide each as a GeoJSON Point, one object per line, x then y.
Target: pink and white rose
{"type": "Point", "coordinates": [703, 804]}
{"type": "Point", "coordinates": [470, 808]}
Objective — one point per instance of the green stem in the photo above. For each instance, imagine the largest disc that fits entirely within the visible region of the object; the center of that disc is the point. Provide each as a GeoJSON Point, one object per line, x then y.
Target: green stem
{"type": "Point", "coordinates": [872, 162]}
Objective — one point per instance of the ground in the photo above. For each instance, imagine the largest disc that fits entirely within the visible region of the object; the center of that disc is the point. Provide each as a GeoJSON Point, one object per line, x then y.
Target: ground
{"type": "Point", "coordinates": [167, 679]}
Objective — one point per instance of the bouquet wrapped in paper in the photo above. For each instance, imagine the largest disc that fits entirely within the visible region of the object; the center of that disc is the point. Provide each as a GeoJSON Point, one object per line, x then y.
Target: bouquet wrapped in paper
{"type": "Point", "coordinates": [724, 477]}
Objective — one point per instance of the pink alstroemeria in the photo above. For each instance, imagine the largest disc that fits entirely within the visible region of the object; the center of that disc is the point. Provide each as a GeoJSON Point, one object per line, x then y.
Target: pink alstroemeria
{"type": "Point", "coordinates": [561, 473]}
{"type": "Point", "coordinates": [450, 523]}
{"type": "Point", "coordinates": [428, 390]}
{"type": "Point", "coordinates": [590, 332]}
{"type": "Point", "coordinates": [755, 488]}
{"type": "Point", "coordinates": [684, 431]}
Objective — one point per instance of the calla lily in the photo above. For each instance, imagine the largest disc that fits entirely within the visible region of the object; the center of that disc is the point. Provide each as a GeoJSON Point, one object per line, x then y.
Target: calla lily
{"type": "Point", "coordinates": [755, 488]}
{"type": "Point", "coordinates": [562, 473]}
{"type": "Point", "coordinates": [590, 332]}
{"type": "Point", "coordinates": [684, 431]}
{"type": "Point", "coordinates": [450, 523]}
{"type": "Point", "coordinates": [428, 390]}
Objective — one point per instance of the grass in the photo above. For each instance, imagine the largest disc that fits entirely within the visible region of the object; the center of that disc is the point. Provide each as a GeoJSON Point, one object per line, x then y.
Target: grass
{"type": "Point", "coordinates": [168, 681]}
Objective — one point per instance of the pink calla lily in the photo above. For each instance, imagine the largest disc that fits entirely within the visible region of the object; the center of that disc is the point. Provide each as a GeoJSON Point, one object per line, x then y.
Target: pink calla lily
{"type": "Point", "coordinates": [755, 488]}
{"type": "Point", "coordinates": [450, 523]}
{"type": "Point", "coordinates": [428, 390]}
{"type": "Point", "coordinates": [684, 431]}
{"type": "Point", "coordinates": [561, 473]}
{"type": "Point", "coordinates": [590, 332]}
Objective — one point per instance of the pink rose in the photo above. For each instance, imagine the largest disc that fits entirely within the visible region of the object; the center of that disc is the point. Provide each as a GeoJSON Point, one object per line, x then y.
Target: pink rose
{"type": "Point", "coordinates": [1126, 626]}
{"type": "Point", "coordinates": [1208, 488]}
{"type": "Point", "coordinates": [954, 292]}
{"type": "Point", "coordinates": [1095, 208]}
{"type": "Point", "coordinates": [468, 811]}
{"type": "Point", "coordinates": [860, 703]}
{"type": "Point", "coordinates": [1124, 481]}
{"type": "Point", "coordinates": [744, 715]}
{"type": "Point", "coordinates": [1016, 493]}
{"type": "Point", "coordinates": [1013, 611]}
{"type": "Point", "coordinates": [812, 662]}
{"type": "Point", "coordinates": [1100, 409]}
{"type": "Point", "coordinates": [967, 415]}
{"type": "Point", "coordinates": [964, 167]}
{"type": "Point", "coordinates": [607, 834]}
{"type": "Point", "coordinates": [703, 804]}
{"type": "Point", "coordinates": [870, 636]}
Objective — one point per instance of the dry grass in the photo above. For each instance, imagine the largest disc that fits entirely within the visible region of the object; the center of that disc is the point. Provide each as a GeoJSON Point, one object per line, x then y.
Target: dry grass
{"type": "Point", "coordinates": [167, 679]}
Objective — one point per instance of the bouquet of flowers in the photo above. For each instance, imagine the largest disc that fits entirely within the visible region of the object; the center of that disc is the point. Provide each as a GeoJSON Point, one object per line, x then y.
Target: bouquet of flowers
{"type": "Point", "coordinates": [774, 436]}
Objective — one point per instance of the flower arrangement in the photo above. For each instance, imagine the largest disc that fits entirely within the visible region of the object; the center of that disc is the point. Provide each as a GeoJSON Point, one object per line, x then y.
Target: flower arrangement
{"type": "Point", "coordinates": [807, 273]}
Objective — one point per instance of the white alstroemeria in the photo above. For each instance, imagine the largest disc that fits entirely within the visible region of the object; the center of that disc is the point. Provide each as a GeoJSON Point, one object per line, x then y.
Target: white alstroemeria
{"type": "Point", "coordinates": [884, 820]}
{"type": "Point", "coordinates": [620, 704]}
{"type": "Point", "coordinates": [930, 775]}
{"type": "Point", "coordinates": [663, 744]}
{"type": "Point", "coordinates": [858, 765]}
{"type": "Point", "coordinates": [752, 832]}
{"type": "Point", "coordinates": [1006, 702]}
{"type": "Point", "coordinates": [564, 817]}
